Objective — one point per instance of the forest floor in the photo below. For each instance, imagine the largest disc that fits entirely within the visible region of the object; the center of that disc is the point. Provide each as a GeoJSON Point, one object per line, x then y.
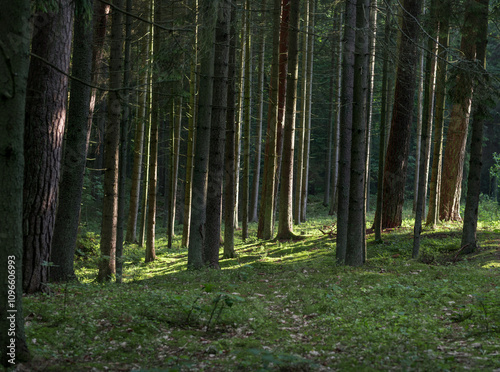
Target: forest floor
{"type": "Point", "coordinates": [281, 306]}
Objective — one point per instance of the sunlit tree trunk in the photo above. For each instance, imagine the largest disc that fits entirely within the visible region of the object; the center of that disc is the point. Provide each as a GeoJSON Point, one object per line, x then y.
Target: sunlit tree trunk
{"type": "Point", "coordinates": [107, 264]}
{"type": "Point", "coordinates": [480, 110]}
{"type": "Point", "coordinates": [176, 144]}
{"type": "Point", "coordinates": [14, 39]}
{"type": "Point", "coordinates": [47, 94]}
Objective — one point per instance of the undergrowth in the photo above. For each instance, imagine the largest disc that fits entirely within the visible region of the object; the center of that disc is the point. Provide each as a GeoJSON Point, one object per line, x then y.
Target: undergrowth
{"type": "Point", "coordinates": [281, 306]}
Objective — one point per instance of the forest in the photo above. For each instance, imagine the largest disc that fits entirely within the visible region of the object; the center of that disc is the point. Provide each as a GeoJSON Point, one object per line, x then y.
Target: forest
{"type": "Point", "coordinates": [217, 185]}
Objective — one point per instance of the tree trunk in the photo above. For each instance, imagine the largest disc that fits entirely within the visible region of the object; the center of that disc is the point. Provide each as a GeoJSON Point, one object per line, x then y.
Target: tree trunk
{"type": "Point", "coordinates": [47, 94]}
{"type": "Point", "coordinates": [14, 39]}
{"type": "Point", "coordinates": [217, 136]}
{"type": "Point", "coordinates": [151, 190]}
{"type": "Point", "coordinates": [469, 239]}
{"type": "Point", "coordinates": [346, 111]}
{"type": "Point", "coordinates": [285, 225]}
{"type": "Point", "coordinates": [229, 200]}
{"type": "Point", "coordinates": [456, 138]}
{"type": "Point", "coordinates": [437, 157]}
{"type": "Point", "coordinates": [426, 129]}
{"type": "Point", "coordinates": [307, 113]}
{"type": "Point", "coordinates": [135, 189]}
{"type": "Point", "coordinates": [265, 228]}
{"type": "Point", "coordinates": [124, 145]}
{"type": "Point", "coordinates": [396, 160]}
{"type": "Point", "coordinates": [176, 144]}
{"type": "Point", "coordinates": [260, 109]}
{"type": "Point", "coordinates": [107, 264]}
{"type": "Point", "coordinates": [247, 112]}
{"type": "Point", "coordinates": [193, 89]}
{"type": "Point", "coordinates": [74, 157]}
{"type": "Point", "coordinates": [337, 73]}
{"type": "Point", "coordinates": [208, 18]}
{"type": "Point", "coordinates": [356, 245]}
{"type": "Point", "coordinates": [297, 213]}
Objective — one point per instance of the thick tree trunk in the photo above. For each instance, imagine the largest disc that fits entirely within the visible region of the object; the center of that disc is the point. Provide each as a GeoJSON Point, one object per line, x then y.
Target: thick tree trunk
{"type": "Point", "coordinates": [47, 94]}
{"type": "Point", "coordinates": [469, 238]}
{"type": "Point", "coordinates": [456, 138]}
{"type": "Point", "coordinates": [14, 39]}
{"type": "Point", "coordinates": [285, 225]}
{"type": "Point", "coordinates": [107, 264]}
{"type": "Point", "coordinates": [208, 18]}
{"type": "Point", "coordinates": [217, 136]}
{"type": "Point", "coordinates": [74, 157]}
{"type": "Point", "coordinates": [396, 160]}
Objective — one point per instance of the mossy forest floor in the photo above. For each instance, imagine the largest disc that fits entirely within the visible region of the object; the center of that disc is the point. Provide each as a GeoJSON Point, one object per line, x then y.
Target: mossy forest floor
{"type": "Point", "coordinates": [281, 306]}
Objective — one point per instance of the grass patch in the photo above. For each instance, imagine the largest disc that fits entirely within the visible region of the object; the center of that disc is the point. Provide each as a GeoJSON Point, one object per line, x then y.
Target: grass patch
{"type": "Point", "coordinates": [281, 306]}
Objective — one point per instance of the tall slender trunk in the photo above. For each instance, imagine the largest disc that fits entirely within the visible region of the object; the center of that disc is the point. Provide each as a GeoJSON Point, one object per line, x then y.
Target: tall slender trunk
{"type": "Point", "coordinates": [124, 144]}
{"type": "Point", "coordinates": [265, 228]}
{"type": "Point", "coordinates": [346, 111]}
{"type": "Point", "coordinates": [307, 113]}
{"type": "Point", "coordinates": [297, 213]}
{"type": "Point", "coordinates": [229, 200]}
{"type": "Point", "coordinates": [193, 89]}
{"type": "Point", "coordinates": [337, 52]}
{"type": "Point", "coordinates": [247, 112]}
{"type": "Point", "coordinates": [437, 157]}
{"type": "Point", "coordinates": [217, 136]}
{"type": "Point", "coordinates": [74, 157]}
{"type": "Point", "coordinates": [356, 244]}
{"type": "Point", "coordinates": [151, 190]}
{"type": "Point", "coordinates": [46, 98]}
{"type": "Point", "coordinates": [208, 18]}
{"type": "Point", "coordinates": [107, 264]}
{"type": "Point", "coordinates": [176, 143]}
{"type": "Point", "coordinates": [14, 39]}
{"type": "Point", "coordinates": [135, 189]}
{"type": "Point", "coordinates": [261, 43]}
{"type": "Point", "coordinates": [285, 226]}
